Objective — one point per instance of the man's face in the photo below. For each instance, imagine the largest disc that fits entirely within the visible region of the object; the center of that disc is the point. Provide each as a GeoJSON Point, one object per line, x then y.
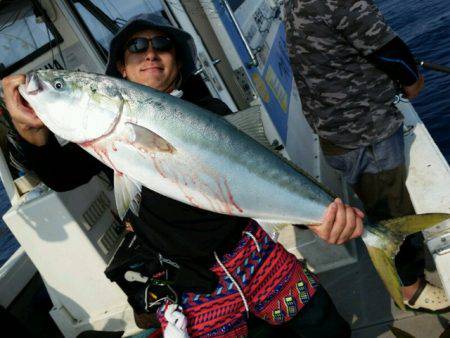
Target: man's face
{"type": "Point", "coordinates": [156, 69]}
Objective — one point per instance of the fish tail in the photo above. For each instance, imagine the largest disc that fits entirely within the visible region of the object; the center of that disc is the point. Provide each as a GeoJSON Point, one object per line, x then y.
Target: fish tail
{"type": "Point", "coordinates": [383, 258]}
{"type": "Point", "coordinates": [407, 225]}
{"type": "Point", "coordinates": [385, 266]}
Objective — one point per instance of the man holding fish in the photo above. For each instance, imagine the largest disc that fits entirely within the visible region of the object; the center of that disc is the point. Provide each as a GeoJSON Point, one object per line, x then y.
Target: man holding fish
{"type": "Point", "coordinates": [208, 247]}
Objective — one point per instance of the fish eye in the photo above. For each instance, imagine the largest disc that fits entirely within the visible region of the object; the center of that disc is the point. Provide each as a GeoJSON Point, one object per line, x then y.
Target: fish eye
{"type": "Point", "coordinates": [58, 84]}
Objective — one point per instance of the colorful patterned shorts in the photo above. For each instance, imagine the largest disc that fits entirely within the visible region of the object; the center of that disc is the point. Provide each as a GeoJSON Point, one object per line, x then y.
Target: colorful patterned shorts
{"type": "Point", "coordinates": [274, 284]}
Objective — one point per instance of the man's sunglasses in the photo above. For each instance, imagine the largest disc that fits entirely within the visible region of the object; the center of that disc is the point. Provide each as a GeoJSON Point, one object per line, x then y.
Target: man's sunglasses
{"type": "Point", "coordinates": [158, 43]}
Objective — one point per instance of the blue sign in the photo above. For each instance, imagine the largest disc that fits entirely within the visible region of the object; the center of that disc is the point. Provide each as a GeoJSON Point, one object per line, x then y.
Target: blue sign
{"type": "Point", "coordinates": [273, 79]}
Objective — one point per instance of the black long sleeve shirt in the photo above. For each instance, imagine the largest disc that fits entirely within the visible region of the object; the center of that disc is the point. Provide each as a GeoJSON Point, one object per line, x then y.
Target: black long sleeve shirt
{"type": "Point", "coordinates": [396, 60]}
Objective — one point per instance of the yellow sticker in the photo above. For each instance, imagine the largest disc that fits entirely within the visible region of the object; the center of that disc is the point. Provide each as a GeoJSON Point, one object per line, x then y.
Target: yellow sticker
{"type": "Point", "coordinates": [260, 87]}
{"type": "Point", "coordinates": [277, 88]}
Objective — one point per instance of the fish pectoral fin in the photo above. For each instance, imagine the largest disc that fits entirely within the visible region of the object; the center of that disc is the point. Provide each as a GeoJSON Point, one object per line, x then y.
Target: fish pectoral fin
{"type": "Point", "coordinates": [127, 193]}
{"type": "Point", "coordinates": [280, 226]}
{"type": "Point", "coordinates": [271, 224]}
{"type": "Point", "coordinates": [148, 141]}
{"type": "Point", "coordinates": [411, 224]}
{"type": "Point", "coordinates": [272, 228]}
{"type": "Point", "coordinates": [386, 269]}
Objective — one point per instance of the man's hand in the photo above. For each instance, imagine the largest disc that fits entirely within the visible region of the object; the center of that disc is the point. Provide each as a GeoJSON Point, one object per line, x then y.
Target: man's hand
{"type": "Point", "coordinates": [413, 90]}
{"type": "Point", "coordinates": [340, 224]}
{"type": "Point", "coordinates": [29, 126]}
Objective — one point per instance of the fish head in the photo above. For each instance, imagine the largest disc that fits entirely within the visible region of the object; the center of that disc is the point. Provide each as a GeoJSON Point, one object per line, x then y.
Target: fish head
{"type": "Point", "coordinates": [79, 107]}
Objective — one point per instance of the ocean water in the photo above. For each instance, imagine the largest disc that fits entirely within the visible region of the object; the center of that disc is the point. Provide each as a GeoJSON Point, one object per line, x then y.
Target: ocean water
{"type": "Point", "coordinates": [425, 27]}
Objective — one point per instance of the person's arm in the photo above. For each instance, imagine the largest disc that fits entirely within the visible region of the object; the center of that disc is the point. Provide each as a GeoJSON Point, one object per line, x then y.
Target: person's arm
{"type": "Point", "coordinates": [25, 120]}
{"type": "Point", "coordinates": [361, 24]}
{"type": "Point", "coordinates": [396, 60]}
{"type": "Point", "coordinates": [340, 223]}
{"type": "Point", "coordinates": [61, 168]}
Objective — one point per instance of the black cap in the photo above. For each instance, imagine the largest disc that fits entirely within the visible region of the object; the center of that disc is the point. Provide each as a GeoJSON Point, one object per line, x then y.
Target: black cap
{"type": "Point", "coordinates": [185, 47]}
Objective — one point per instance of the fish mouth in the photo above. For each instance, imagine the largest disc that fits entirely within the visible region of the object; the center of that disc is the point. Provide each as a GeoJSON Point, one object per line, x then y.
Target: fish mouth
{"type": "Point", "coordinates": [33, 85]}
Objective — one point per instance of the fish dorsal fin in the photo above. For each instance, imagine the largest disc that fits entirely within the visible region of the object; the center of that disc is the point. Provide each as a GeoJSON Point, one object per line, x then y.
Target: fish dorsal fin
{"type": "Point", "coordinates": [148, 141]}
{"type": "Point", "coordinates": [249, 121]}
{"type": "Point", "coordinates": [127, 193]}
{"type": "Point", "coordinates": [411, 224]}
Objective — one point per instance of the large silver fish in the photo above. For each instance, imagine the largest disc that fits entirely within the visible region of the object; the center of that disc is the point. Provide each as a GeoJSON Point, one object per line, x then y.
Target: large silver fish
{"type": "Point", "coordinates": [189, 154]}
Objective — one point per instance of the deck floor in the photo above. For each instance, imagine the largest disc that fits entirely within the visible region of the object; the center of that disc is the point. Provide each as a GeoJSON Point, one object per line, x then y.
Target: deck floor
{"type": "Point", "coordinates": [356, 290]}
{"type": "Point", "coordinates": [361, 299]}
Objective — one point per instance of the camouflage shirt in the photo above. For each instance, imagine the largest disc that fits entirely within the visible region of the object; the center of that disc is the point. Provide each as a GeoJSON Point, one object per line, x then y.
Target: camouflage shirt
{"type": "Point", "coordinates": [346, 100]}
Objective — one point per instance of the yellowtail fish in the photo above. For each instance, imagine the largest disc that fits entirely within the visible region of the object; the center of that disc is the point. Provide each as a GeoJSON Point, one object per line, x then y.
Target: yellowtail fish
{"type": "Point", "coordinates": [194, 156]}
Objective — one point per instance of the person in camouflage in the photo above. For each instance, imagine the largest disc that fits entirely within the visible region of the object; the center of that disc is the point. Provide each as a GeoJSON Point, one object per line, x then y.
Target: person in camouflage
{"type": "Point", "coordinates": [348, 65]}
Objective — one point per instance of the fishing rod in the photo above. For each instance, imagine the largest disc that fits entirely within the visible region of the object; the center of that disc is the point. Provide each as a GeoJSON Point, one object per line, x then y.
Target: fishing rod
{"type": "Point", "coordinates": [434, 66]}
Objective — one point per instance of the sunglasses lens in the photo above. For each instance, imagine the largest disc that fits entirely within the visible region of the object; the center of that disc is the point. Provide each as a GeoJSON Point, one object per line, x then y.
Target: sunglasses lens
{"type": "Point", "coordinates": [159, 43]}
{"type": "Point", "coordinates": [162, 43]}
{"type": "Point", "coordinates": [138, 45]}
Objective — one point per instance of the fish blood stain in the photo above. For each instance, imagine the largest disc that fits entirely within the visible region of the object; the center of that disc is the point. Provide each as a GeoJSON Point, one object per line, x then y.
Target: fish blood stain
{"type": "Point", "coordinates": [231, 198]}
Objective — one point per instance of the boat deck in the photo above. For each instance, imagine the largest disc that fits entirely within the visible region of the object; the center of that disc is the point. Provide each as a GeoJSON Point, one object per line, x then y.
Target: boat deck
{"type": "Point", "coordinates": [362, 300]}
{"type": "Point", "coordinates": [356, 290]}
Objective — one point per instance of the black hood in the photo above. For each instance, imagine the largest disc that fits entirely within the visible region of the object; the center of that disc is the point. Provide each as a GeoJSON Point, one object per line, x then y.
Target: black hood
{"type": "Point", "coordinates": [185, 48]}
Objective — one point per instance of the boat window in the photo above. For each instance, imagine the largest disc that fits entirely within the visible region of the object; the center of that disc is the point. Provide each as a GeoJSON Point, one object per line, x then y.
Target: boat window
{"type": "Point", "coordinates": [103, 18]}
{"type": "Point", "coordinates": [25, 33]}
